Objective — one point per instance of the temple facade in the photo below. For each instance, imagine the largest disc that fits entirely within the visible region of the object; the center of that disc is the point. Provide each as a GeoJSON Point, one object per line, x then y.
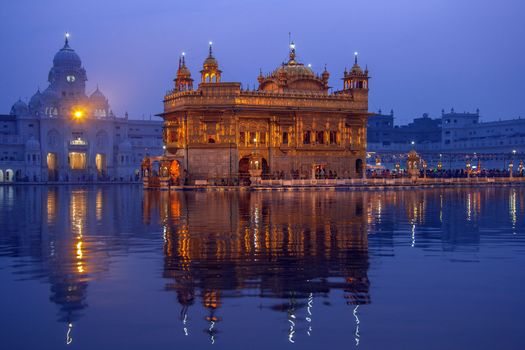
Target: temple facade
{"type": "Point", "coordinates": [293, 126]}
{"type": "Point", "coordinates": [64, 134]}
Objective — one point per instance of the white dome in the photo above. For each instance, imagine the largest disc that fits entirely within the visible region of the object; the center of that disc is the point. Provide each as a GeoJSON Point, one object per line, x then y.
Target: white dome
{"type": "Point", "coordinates": [19, 108]}
{"type": "Point", "coordinates": [36, 100]}
{"type": "Point", "coordinates": [67, 57]}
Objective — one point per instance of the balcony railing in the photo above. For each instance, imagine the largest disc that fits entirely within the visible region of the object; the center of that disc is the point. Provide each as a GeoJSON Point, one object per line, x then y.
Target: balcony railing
{"type": "Point", "coordinates": [78, 142]}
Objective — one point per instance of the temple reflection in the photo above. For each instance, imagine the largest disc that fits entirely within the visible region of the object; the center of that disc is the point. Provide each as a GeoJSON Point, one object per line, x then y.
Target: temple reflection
{"type": "Point", "coordinates": [223, 245]}
{"type": "Point", "coordinates": [67, 233]}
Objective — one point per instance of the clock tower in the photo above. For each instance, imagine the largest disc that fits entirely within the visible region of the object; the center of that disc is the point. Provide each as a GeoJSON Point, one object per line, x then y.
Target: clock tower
{"type": "Point", "coordinates": [67, 77]}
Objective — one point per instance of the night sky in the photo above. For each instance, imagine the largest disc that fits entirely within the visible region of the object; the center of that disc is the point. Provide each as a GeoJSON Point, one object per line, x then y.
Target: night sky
{"type": "Point", "coordinates": [423, 55]}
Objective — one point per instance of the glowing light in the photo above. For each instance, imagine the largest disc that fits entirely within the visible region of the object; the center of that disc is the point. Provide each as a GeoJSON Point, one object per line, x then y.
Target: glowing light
{"type": "Point", "coordinates": [211, 43]}
{"type": "Point", "coordinates": [309, 65]}
{"type": "Point", "coordinates": [78, 114]}
{"type": "Point", "coordinates": [67, 35]}
{"type": "Point", "coordinates": [292, 46]}
{"type": "Point", "coordinates": [69, 339]}
{"type": "Point", "coordinates": [355, 53]}
{"type": "Point", "coordinates": [183, 53]}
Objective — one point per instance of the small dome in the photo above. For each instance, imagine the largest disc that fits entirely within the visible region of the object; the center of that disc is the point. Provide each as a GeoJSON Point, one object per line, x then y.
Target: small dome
{"type": "Point", "coordinates": [125, 146]}
{"type": "Point", "coordinates": [32, 144]}
{"type": "Point", "coordinates": [356, 69]}
{"type": "Point", "coordinates": [210, 61]}
{"type": "Point", "coordinates": [19, 107]}
{"type": "Point", "coordinates": [67, 57]}
{"type": "Point", "coordinates": [36, 100]}
{"type": "Point", "coordinates": [97, 95]}
{"type": "Point", "coordinates": [184, 72]}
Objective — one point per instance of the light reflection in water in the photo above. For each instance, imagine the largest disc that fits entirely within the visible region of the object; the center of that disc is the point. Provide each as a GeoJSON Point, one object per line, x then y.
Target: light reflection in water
{"type": "Point", "coordinates": [356, 333]}
{"type": "Point", "coordinates": [214, 247]}
{"type": "Point", "coordinates": [69, 338]}
{"type": "Point", "coordinates": [512, 209]}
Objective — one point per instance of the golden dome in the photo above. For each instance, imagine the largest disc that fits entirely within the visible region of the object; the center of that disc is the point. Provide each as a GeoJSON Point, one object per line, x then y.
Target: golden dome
{"type": "Point", "coordinates": [292, 76]}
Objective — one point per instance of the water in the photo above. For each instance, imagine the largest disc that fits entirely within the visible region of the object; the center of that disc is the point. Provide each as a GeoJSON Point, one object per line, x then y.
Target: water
{"type": "Point", "coordinates": [116, 268]}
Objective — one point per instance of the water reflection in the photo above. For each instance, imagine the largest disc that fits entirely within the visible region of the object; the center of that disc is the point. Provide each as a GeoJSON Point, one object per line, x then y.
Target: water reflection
{"type": "Point", "coordinates": [229, 245]}
{"type": "Point", "coordinates": [296, 253]}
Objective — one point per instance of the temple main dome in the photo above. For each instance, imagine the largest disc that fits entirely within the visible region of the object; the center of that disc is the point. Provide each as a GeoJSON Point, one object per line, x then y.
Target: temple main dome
{"type": "Point", "coordinates": [293, 76]}
{"type": "Point", "coordinates": [67, 57]}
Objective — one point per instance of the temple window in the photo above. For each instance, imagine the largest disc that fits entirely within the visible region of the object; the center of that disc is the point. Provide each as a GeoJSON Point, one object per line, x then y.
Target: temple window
{"type": "Point", "coordinates": [333, 137]}
{"type": "Point", "coordinates": [242, 138]}
{"type": "Point", "coordinates": [320, 137]}
{"type": "Point", "coordinates": [307, 137]}
{"type": "Point", "coordinates": [253, 138]}
{"type": "Point", "coordinates": [285, 138]}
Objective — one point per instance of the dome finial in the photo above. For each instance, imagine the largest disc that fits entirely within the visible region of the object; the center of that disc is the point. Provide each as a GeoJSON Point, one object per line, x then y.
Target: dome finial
{"type": "Point", "coordinates": [355, 57]}
{"type": "Point", "coordinates": [211, 51]}
{"type": "Point", "coordinates": [292, 53]}
{"type": "Point", "coordinates": [66, 37]}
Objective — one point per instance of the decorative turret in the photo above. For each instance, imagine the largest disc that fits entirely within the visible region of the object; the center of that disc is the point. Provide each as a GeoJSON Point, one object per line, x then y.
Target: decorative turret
{"type": "Point", "coordinates": [356, 78]}
{"type": "Point", "coordinates": [183, 81]}
{"type": "Point", "coordinates": [260, 78]}
{"type": "Point", "coordinates": [210, 72]}
{"type": "Point", "coordinates": [325, 76]}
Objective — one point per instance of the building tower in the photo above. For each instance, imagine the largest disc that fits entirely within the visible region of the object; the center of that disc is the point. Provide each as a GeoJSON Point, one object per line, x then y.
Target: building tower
{"type": "Point", "coordinates": [183, 81]}
{"type": "Point", "coordinates": [356, 81]}
{"type": "Point", "coordinates": [210, 72]}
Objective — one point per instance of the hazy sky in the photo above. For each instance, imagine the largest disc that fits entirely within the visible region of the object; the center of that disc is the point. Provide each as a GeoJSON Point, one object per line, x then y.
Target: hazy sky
{"type": "Point", "coordinates": [423, 55]}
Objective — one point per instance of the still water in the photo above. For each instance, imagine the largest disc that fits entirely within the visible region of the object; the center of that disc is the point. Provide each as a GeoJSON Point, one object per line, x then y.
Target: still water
{"type": "Point", "coordinates": [118, 268]}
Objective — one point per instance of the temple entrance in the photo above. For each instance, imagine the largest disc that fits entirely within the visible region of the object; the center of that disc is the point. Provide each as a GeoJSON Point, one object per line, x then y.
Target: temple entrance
{"type": "Point", "coordinates": [100, 163]}
{"type": "Point", "coordinates": [175, 173]}
{"type": "Point", "coordinates": [244, 171]}
{"type": "Point", "coordinates": [52, 167]}
{"type": "Point", "coordinates": [9, 175]}
{"type": "Point", "coordinates": [77, 160]}
{"type": "Point", "coordinates": [359, 167]}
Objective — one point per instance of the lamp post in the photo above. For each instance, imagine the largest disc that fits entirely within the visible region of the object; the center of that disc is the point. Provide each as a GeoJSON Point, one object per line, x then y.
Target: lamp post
{"type": "Point", "coordinates": [511, 163]}
{"type": "Point", "coordinates": [469, 166]}
{"type": "Point", "coordinates": [425, 169]}
{"type": "Point", "coordinates": [520, 168]}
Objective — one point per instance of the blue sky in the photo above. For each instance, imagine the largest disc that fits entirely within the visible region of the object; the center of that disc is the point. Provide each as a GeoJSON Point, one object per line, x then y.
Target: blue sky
{"type": "Point", "coordinates": [423, 55]}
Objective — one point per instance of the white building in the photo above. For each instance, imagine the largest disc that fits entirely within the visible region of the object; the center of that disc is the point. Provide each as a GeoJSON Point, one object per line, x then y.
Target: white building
{"type": "Point", "coordinates": [63, 134]}
{"type": "Point", "coordinates": [464, 132]}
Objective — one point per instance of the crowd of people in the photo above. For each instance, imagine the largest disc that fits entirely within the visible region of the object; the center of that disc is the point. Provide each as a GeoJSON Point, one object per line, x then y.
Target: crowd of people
{"type": "Point", "coordinates": [449, 173]}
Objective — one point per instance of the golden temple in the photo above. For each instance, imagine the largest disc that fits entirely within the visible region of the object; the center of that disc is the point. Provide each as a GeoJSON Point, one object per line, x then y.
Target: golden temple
{"type": "Point", "coordinates": [293, 126]}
